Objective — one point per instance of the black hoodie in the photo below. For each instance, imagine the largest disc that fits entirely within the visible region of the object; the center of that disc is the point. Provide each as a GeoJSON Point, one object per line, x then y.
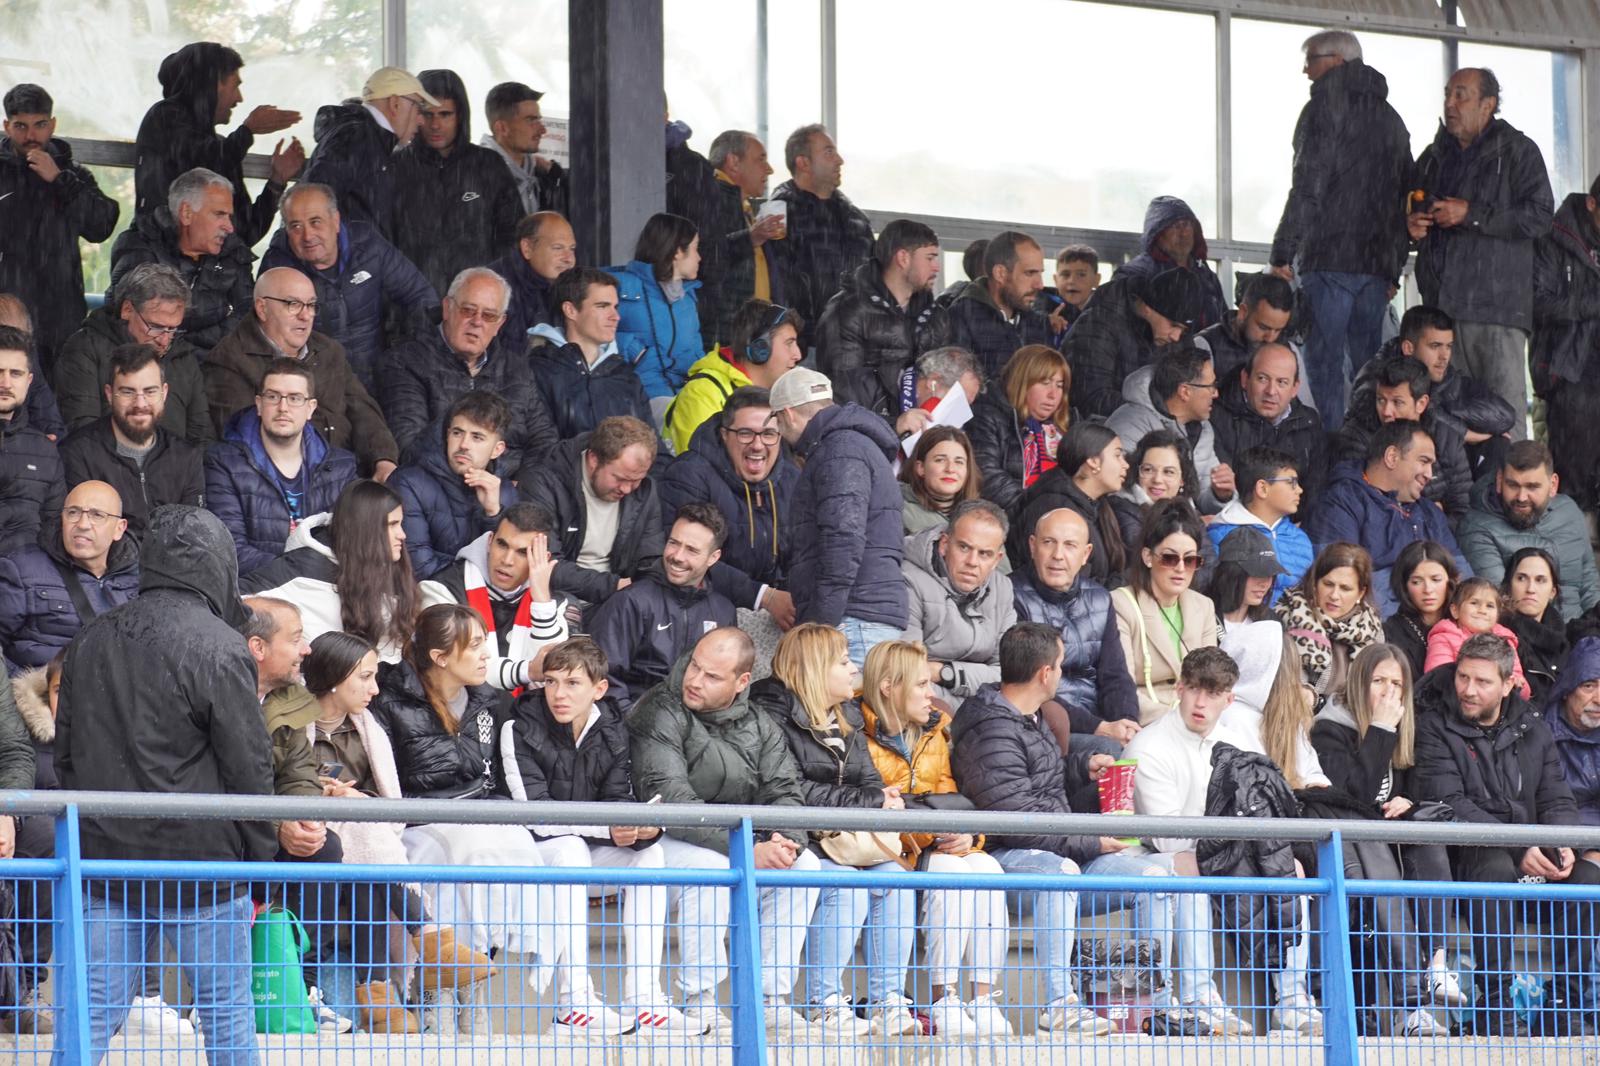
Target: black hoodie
{"type": "Point", "coordinates": [178, 133]}
{"type": "Point", "coordinates": [159, 696]}
{"type": "Point", "coordinates": [355, 158]}
{"type": "Point", "coordinates": [456, 210]}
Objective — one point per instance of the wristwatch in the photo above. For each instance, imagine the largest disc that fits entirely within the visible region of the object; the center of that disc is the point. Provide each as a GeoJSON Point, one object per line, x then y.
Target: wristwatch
{"type": "Point", "coordinates": [947, 675]}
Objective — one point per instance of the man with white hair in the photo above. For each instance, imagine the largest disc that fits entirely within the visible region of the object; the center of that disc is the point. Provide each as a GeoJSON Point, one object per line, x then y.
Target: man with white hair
{"type": "Point", "coordinates": [194, 235]}
{"type": "Point", "coordinates": [422, 377]}
{"type": "Point", "coordinates": [1341, 224]}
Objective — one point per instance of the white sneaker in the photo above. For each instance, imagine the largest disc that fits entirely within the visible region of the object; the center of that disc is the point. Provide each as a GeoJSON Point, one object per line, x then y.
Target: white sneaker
{"type": "Point", "coordinates": [328, 1019]}
{"type": "Point", "coordinates": [648, 1018]}
{"type": "Point", "coordinates": [702, 1011]}
{"type": "Point", "coordinates": [781, 1017]}
{"type": "Point", "coordinates": [1444, 984]}
{"type": "Point", "coordinates": [950, 1018]}
{"type": "Point", "coordinates": [837, 1014]}
{"type": "Point", "coordinates": [1297, 1016]}
{"type": "Point", "coordinates": [893, 1017]}
{"type": "Point", "coordinates": [1219, 1019]}
{"type": "Point", "coordinates": [439, 1012]}
{"type": "Point", "coordinates": [587, 1015]}
{"type": "Point", "coordinates": [1068, 1016]}
{"type": "Point", "coordinates": [472, 1010]}
{"type": "Point", "coordinates": [152, 1016]}
{"type": "Point", "coordinates": [989, 1015]}
{"type": "Point", "coordinates": [1422, 1023]}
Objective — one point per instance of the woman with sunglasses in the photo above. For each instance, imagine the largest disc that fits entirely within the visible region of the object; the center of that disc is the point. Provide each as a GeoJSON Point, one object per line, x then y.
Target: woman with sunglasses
{"type": "Point", "coordinates": [1160, 616]}
{"type": "Point", "coordinates": [1330, 615]}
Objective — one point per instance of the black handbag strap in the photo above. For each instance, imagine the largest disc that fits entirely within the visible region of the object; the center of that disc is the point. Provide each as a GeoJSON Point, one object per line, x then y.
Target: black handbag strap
{"type": "Point", "coordinates": [80, 599]}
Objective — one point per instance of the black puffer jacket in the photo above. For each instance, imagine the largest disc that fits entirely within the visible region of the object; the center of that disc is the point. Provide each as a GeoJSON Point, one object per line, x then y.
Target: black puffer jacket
{"type": "Point", "coordinates": [85, 366]}
{"type": "Point", "coordinates": [826, 240]}
{"type": "Point", "coordinates": [995, 431]}
{"type": "Point", "coordinates": [1107, 343]}
{"type": "Point", "coordinates": [977, 325]}
{"type": "Point", "coordinates": [553, 483]}
{"type": "Point", "coordinates": [1352, 169]}
{"type": "Point", "coordinates": [1004, 760]}
{"type": "Point", "coordinates": [865, 339]}
{"type": "Point", "coordinates": [179, 133]}
{"type": "Point", "coordinates": [543, 763]}
{"type": "Point", "coordinates": [159, 696]}
{"type": "Point", "coordinates": [171, 473]}
{"type": "Point", "coordinates": [432, 763]}
{"type": "Point", "coordinates": [1482, 270]}
{"type": "Point", "coordinates": [40, 225]}
{"type": "Point", "coordinates": [355, 157]}
{"type": "Point", "coordinates": [219, 285]}
{"type": "Point", "coordinates": [1566, 298]}
{"type": "Point", "coordinates": [530, 298]}
{"type": "Point", "coordinates": [578, 396]}
{"type": "Point", "coordinates": [827, 778]}
{"type": "Point", "coordinates": [1095, 685]}
{"type": "Point", "coordinates": [1236, 428]}
{"type": "Point", "coordinates": [1461, 400]}
{"type": "Point", "coordinates": [1052, 491]}
{"type": "Point", "coordinates": [423, 377]}
{"type": "Point", "coordinates": [32, 482]}
{"type": "Point", "coordinates": [1451, 487]}
{"type": "Point", "coordinates": [648, 626]}
{"type": "Point", "coordinates": [1245, 784]}
{"type": "Point", "coordinates": [457, 210]}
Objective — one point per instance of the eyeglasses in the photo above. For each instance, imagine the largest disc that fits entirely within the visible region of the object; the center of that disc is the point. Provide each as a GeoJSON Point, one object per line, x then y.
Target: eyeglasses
{"type": "Point", "coordinates": [1291, 481]}
{"type": "Point", "coordinates": [488, 318]}
{"type": "Point", "coordinates": [126, 394]}
{"type": "Point", "coordinates": [748, 436]}
{"type": "Point", "coordinates": [1201, 384]}
{"type": "Point", "coordinates": [73, 515]}
{"type": "Point", "coordinates": [172, 332]}
{"type": "Point", "coordinates": [1171, 560]}
{"type": "Point", "coordinates": [294, 306]}
{"type": "Point", "coordinates": [273, 398]}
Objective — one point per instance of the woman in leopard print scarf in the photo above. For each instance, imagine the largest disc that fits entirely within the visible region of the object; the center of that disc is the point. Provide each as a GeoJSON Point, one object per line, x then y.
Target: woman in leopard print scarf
{"type": "Point", "coordinates": [1330, 615]}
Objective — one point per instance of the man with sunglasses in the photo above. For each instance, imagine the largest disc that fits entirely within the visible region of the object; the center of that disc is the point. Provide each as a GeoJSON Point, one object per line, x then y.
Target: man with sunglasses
{"type": "Point", "coordinates": [146, 308]}
{"type": "Point", "coordinates": [281, 325]}
{"type": "Point", "coordinates": [1177, 395]}
{"type": "Point", "coordinates": [736, 462]}
{"type": "Point", "coordinates": [467, 352]}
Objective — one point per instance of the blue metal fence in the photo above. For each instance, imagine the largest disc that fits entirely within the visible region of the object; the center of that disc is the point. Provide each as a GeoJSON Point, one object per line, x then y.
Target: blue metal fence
{"type": "Point", "coordinates": [1353, 976]}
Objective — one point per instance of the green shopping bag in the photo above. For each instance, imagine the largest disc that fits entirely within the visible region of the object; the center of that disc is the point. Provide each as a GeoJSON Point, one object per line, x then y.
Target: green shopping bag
{"type": "Point", "coordinates": [278, 943]}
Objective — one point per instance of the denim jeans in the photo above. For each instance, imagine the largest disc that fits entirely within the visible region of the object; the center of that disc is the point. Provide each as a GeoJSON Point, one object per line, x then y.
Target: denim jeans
{"type": "Point", "coordinates": [212, 945]}
{"type": "Point", "coordinates": [1166, 917]}
{"type": "Point", "coordinates": [1055, 917]}
{"type": "Point", "coordinates": [1346, 322]}
{"type": "Point", "coordinates": [890, 917]}
{"type": "Point", "coordinates": [860, 637]}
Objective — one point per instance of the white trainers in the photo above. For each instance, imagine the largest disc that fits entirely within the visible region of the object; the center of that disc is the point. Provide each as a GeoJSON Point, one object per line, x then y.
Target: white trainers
{"type": "Point", "coordinates": [1297, 1016]}
{"type": "Point", "coordinates": [1219, 1019]}
{"type": "Point", "coordinates": [328, 1019]}
{"type": "Point", "coordinates": [702, 1011]}
{"type": "Point", "coordinates": [647, 1018]}
{"type": "Point", "coordinates": [587, 1015]}
{"type": "Point", "coordinates": [893, 1017]}
{"type": "Point", "coordinates": [1069, 1017]}
{"type": "Point", "coordinates": [781, 1017]}
{"type": "Point", "coordinates": [989, 1015]}
{"type": "Point", "coordinates": [439, 1012]}
{"type": "Point", "coordinates": [1422, 1023]}
{"type": "Point", "coordinates": [950, 1018]}
{"type": "Point", "coordinates": [1444, 984]}
{"type": "Point", "coordinates": [838, 1015]}
{"type": "Point", "coordinates": [151, 1017]}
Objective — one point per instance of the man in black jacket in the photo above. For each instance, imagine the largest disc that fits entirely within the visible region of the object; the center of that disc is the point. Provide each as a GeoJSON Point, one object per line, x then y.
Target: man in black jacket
{"type": "Point", "coordinates": [159, 696]}
{"type": "Point", "coordinates": [200, 86]}
{"type": "Point", "coordinates": [994, 315]}
{"type": "Point", "coordinates": [1486, 200]}
{"type": "Point", "coordinates": [1126, 325]}
{"type": "Point", "coordinates": [827, 236]}
{"type": "Point", "coordinates": [516, 127]}
{"type": "Point", "coordinates": [455, 205]}
{"type": "Point", "coordinates": [645, 628]}
{"type": "Point", "coordinates": [1257, 406]}
{"type": "Point", "coordinates": [1341, 222]}
{"type": "Point", "coordinates": [32, 483]}
{"type": "Point", "coordinates": [1401, 389]}
{"type": "Point", "coordinates": [545, 249]}
{"type": "Point", "coordinates": [599, 490]}
{"type": "Point", "coordinates": [1566, 340]}
{"type": "Point", "coordinates": [356, 143]}
{"type": "Point", "coordinates": [1173, 240]}
{"type": "Point", "coordinates": [884, 317]}
{"type": "Point", "coordinates": [129, 449]}
{"type": "Point", "coordinates": [739, 254]}
{"type": "Point", "coordinates": [1264, 310]}
{"type": "Point", "coordinates": [1491, 757]}
{"type": "Point", "coordinates": [47, 204]}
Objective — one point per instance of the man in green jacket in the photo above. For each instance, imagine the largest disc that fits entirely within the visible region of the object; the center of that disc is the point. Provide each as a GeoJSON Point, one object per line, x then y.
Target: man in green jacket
{"type": "Point", "coordinates": [696, 739]}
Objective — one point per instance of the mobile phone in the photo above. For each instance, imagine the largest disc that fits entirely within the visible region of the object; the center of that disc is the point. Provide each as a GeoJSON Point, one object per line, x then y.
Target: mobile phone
{"type": "Point", "coordinates": [330, 770]}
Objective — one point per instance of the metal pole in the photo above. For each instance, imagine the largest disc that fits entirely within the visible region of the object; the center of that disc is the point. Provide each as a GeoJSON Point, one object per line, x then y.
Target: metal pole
{"type": "Point", "coordinates": [394, 33]}
{"type": "Point", "coordinates": [1338, 983]}
{"type": "Point", "coordinates": [749, 1027]}
{"type": "Point", "coordinates": [71, 950]}
{"type": "Point", "coordinates": [1225, 141]}
{"type": "Point", "coordinates": [763, 72]}
{"type": "Point", "coordinates": [1452, 45]}
{"type": "Point", "coordinates": [830, 66]}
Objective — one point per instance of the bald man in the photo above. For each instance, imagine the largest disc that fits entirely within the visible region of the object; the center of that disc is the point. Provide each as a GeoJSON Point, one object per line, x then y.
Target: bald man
{"type": "Point", "coordinates": [85, 566]}
{"type": "Point", "coordinates": [1095, 700]}
{"type": "Point", "coordinates": [281, 324]}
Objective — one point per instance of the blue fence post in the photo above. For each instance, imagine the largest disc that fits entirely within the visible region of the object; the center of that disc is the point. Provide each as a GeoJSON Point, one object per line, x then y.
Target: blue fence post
{"type": "Point", "coordinates": [749, 1027]}
{"type": "Point", "coordinates": [1338, 982]}
{"type": "Point", "coordinates": [71, 954]}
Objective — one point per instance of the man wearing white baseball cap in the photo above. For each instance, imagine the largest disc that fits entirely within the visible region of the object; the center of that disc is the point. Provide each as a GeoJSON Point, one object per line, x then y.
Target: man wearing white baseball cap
{"type": "Point", "coordinates": [356, 143]}
{"type": "Point", "coordinates": [846, 542]}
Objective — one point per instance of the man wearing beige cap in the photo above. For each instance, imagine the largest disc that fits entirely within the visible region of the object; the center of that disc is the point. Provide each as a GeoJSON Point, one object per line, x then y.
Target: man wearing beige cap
{"type": "Point", "coordinates": [356, 143]}
{"type": "Point", "coordinates": [846, 541]}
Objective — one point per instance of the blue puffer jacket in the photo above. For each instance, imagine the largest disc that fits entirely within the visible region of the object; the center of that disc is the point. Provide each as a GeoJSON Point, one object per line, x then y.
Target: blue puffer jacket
{"type": "Point", "coordinates": [844, 527]}
{"type": "Point", "coordinates": [1288, 540]}
{"type": "Point", "coordinates": [442, 515]}
{"type": "Point", "coordinates": [1095, 685]}
{"type": "Point", "coordinates": [37, 615]}
{"type": "Point", "coordinates": [668, 333]}
{"type": "Point", "coordinates": [1353, 510]}
{"type": "Point", "coordinates": [1579, 751]}
{"type": "Point", "coordinates": [578, 395]}
{"type": "Point", "coordinates": [754, 554]}
{"type": "Point", "coordinates": [242, 492]}
{"type": "Point", "coordinates": [352, 294]}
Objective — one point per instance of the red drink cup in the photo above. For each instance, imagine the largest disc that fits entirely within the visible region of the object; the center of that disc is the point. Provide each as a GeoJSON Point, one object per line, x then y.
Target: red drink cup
{"type": "Point", "coordinates": [1116, 790]}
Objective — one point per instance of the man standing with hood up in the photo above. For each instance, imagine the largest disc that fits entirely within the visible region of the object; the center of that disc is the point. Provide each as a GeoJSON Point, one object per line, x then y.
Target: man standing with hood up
{"type": "Point", "coordinates": [455, 204]}
{"type": "Point", "coordinates": [1174, 240]}
{"type": "Point", "coordinates": [200, 87]}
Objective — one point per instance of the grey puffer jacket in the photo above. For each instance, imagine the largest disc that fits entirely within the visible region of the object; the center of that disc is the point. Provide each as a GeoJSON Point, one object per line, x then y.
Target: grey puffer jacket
{"type": "Point", "coordinates": [1139, 414]}
{"type": "Point", "coordinates": [962, 629]}
{"type": "Point", "coordinates": [1489, 540]}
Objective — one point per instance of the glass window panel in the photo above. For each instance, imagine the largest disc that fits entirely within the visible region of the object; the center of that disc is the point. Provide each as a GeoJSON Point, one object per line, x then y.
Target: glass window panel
{"type": "Point", "coordinates": [794, 70]}
{"type": "Point", "coordinates": [710, 65]}
{"type": "Point", "coordinates": [1037, 146]}
{"type": "Point", "coordinates": [525, 41]}
{"type": "Point", "coordinates": [1527, 96]}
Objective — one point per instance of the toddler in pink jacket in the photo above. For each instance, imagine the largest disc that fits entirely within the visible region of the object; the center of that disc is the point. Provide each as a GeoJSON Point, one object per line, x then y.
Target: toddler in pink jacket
{"type": "Point", "coordinates": [1475, 608]}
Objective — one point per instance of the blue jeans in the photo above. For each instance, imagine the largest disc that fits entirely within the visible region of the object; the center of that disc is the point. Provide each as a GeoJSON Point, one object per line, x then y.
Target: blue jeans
{"type": "Point", "coordinates": [1161, 915]}
{"type": "Point", "coordinates": [1346, 321]}
{"type": "Point", "coordinates": [890, 915]}
{"type": "Point", "coordinates": [860, 636]}
{"type": "Point", "coordinates": [1055, 917]}
{"type": "Point", "coordinates": [212, 945]}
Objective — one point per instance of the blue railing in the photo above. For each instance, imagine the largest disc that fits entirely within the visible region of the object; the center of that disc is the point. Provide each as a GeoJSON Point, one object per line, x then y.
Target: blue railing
{"type": "Point", "coordinates": [1343, 1038]}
